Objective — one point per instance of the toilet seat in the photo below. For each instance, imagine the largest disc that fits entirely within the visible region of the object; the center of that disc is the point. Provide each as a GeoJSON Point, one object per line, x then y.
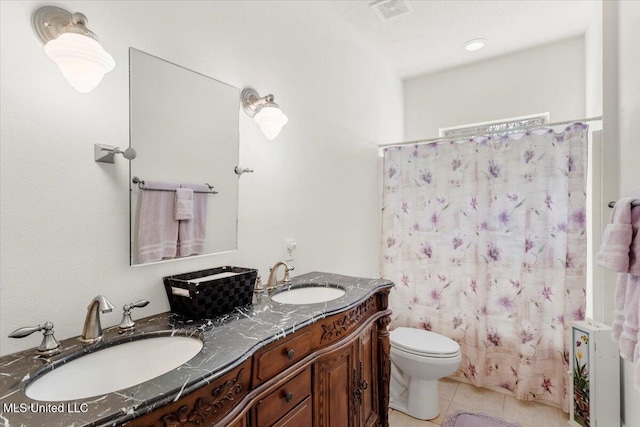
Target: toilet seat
{"type": "Point", "coordinates": [423, 343]}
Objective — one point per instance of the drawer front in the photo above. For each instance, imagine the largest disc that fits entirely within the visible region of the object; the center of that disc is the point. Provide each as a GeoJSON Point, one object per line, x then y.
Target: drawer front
{"type": "Point", "coordinates": [242, 422]}
{"type": "Point", "coordinates": [283, 399]}
{"type": "Point", "coordinates": [300, 416]}
{"type": "Point", "coordinates": [275, 360]}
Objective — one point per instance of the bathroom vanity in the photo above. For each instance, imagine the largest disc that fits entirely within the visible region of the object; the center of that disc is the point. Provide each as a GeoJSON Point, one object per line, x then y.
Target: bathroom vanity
{"type": "Point", "coordinates": [273, 364]}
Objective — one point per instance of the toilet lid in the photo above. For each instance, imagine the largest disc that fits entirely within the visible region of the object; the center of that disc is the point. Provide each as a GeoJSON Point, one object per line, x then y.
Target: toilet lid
{"type": "Point", "coordinates": [419, 341]}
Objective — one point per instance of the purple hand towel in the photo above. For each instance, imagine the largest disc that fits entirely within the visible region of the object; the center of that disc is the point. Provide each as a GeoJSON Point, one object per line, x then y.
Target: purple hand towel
{"type": "Point", "coordinates": [634, 250]}
{"type": "Point", "coordinates": [184, 204]}
{"type": "Point", "coordinates": [192, 233]}
{"type": "Point", "coordinates": [616, 240]}
{"type": "Point", "coordinates": [157, 228]}
{"type": "Point", "coordinates": [629, 335]}
{"type": "Point", "coordinates": [619, 312]}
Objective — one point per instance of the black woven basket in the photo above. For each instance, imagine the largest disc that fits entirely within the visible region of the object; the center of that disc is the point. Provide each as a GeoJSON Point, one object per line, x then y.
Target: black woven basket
{"type": "Point", "coordinates": [210, 298]}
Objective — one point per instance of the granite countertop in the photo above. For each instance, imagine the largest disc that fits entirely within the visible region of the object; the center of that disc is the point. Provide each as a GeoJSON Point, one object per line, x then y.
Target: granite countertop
{"type": "Point", "coordinates": [228, 341]}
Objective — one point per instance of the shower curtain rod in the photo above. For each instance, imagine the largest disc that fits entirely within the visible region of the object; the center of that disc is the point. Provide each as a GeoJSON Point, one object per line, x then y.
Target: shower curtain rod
{"type": "Point", "coordinates": [444, 138]}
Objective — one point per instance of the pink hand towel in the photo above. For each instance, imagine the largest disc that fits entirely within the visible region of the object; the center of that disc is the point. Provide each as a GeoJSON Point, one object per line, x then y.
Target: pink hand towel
{"type": "Point", "coordinates": [184, 204]}
{"type": "Point", "coordinates": [157, 228]}
{"type": "Point", "coordinates": [192, 233]}
{"type": "Point", "coordinates": [629, 336]}
{"type": "Point", "coordinates": [618, 313]}
{"type": "Point", "coordinates": [616, 240]}
{"type": "Point", "coordinates": [634, 250]}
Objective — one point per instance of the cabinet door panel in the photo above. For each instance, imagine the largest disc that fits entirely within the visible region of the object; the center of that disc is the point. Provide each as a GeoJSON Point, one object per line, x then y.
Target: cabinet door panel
{"type": "Point", "coordinates": [333, 392]}
{"type": "Point", "coordinates": [368, 375]}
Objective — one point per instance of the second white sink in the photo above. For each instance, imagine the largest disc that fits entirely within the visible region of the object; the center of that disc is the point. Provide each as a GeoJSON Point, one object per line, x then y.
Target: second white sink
{"type": "Point", "coordinates": [114, 368]}
{"type": "Point", "coordinates": [308, 295]}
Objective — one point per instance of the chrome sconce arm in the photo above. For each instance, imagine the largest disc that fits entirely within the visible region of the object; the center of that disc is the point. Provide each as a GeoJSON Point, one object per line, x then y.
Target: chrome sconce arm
{"type": "Point", "coordinates": [252, 103]}
{"type": "Point", "coordinates": [105, 153]}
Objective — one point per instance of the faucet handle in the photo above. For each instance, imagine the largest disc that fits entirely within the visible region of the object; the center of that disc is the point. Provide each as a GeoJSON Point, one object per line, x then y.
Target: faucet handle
{"type": "Point", "coordinates": [26, 331]}
{"type": "Point", "coordinates": [49, 345]}
{"type": "Point", "coordinates": [139, 304]}
{"type": "Point", "coordinates": [286, 280]}
{"type": "Point", "coordinates": [127, 322]}
{"type": "Point", "coordinates": [257, 287]}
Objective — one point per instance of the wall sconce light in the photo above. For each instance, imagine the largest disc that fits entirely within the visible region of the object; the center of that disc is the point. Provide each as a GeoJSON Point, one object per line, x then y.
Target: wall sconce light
{"type": "Point", "coordinates": [72, 46]}
{"type": "Point", "coordinates": [264, 111]}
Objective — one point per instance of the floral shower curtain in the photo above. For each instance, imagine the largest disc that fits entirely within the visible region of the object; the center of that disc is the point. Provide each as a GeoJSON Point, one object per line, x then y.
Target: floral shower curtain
{"type": "Point", "coordinates": [485, 240]}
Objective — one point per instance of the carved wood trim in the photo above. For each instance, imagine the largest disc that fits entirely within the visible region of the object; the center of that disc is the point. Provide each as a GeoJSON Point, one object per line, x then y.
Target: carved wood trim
{"type": "Point", "coordinates": [343, 324]}
{"type": "Point", "coordinates": [357, 393]}
{"type": "Point", "coordinates": [383, 299]}
{"type": "Point", "coordinates": [202, 408]}
{"type": "Point", "coordinates": [384, 361]}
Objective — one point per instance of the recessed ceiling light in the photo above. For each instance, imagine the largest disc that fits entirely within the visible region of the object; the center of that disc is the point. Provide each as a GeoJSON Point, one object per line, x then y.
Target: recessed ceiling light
{"type": "Point", "coordinates": [475, 44]}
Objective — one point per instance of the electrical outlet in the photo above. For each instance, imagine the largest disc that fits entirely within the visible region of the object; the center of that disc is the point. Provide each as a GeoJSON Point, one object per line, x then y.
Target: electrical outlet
{"type": "Point", "coordinates": [290, 246]}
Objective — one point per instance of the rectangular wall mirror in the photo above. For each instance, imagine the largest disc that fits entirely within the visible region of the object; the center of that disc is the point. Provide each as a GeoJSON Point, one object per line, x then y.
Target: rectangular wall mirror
{"type": "Point", "coordinates": [184, 127]}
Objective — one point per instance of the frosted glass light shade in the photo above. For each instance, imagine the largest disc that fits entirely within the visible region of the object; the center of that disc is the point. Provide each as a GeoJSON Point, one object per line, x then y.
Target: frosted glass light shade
{"type": "Point", "coordinates": [81, 59]}
{"type": "Point", "coordinates": [270, 119]}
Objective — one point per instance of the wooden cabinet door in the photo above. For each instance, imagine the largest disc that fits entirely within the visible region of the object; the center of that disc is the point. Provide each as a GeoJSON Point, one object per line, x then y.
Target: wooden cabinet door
{"type": "Point", "coordinates": [333, 389]}
{"type": "Point", "coordinates": [366, 374]}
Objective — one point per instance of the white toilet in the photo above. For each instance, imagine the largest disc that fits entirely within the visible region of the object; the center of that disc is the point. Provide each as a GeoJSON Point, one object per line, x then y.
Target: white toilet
{"type": "Point", "coordinates": [418, 359]}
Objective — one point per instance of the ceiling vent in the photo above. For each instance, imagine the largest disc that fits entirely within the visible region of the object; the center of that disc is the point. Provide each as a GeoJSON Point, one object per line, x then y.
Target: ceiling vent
{"type": "Point", "coordinates": [389, 9]}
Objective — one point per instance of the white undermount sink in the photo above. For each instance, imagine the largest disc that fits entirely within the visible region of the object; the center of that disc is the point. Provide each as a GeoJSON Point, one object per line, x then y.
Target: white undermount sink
{"type": "Point", "coordinates": [114, 368]}
{"type": "Point", "coordinates": [308, 295]}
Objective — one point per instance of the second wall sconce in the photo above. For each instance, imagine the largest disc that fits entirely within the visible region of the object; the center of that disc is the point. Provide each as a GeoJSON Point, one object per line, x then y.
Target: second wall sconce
{"type": "Point", "coordinates": [264, 111]}
{"type": "Point", "coordinates": [72, 46]}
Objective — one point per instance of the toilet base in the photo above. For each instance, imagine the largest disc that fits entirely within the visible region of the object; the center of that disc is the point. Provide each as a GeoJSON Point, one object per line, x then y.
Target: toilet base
{"type": "Point", "coordinates": [411, 403]}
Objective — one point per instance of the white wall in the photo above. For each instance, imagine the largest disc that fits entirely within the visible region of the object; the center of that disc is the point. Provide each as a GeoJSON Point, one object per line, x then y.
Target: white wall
{"type": "Point", "coordinates": [64, 219]}
{"type": "Point", "coordinates": [593, 63]}
{"type": "Point", "coordinates": [628, 97]}
{"type": "Point", "coordinates": [549, 78]}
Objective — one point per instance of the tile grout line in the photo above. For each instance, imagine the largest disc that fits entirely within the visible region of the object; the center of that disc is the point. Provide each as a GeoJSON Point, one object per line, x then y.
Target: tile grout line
{"type": "Point", "coordinates": [500, 410]}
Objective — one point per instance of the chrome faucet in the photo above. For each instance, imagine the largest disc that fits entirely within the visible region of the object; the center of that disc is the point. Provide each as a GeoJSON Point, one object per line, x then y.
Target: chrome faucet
{"type": "Point", "coordinates": [272, 283]}
{"type": "Point", "coordinates": [92, 330]}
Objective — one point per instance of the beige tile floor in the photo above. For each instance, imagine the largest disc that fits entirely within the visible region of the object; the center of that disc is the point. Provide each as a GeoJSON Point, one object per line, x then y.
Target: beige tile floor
{"type": "Point", "coordinates": [455, 395]}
